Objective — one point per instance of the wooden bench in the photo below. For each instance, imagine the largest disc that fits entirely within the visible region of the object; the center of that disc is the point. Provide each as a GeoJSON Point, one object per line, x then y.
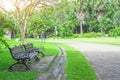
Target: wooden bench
{"type": "Point", "coordinates": [21, 56]}
{"type": "Point", "coordinates": [30, 47]}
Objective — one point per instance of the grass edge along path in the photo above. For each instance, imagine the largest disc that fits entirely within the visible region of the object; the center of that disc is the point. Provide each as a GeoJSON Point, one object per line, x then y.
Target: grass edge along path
{"type": "Point", "coordinates": [102, 40]}
{"type": "Point", "coordinates": [77, 67]}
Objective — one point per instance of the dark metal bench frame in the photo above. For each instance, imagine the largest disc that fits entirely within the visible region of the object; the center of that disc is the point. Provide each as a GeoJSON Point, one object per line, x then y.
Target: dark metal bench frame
{"type": "Point", "coordinates": [19, 54]}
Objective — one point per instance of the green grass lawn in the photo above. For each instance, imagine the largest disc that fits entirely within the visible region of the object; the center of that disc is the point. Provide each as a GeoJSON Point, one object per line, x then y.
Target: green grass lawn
{"type": "Point", "coordinates": [6, 60]}
{"type": "Point", "coordinates": [77, 66]}
{"type": "Point", "coordinates": [102, 40]}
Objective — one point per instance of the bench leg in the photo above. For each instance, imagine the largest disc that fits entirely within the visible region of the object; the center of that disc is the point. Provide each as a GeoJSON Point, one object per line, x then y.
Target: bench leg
{"type": "Point", "coordinates": [18, 62]}
{"type": "Point", "coordinates": [10, 68]}
{"type": "Point", "coordinates": [42, 54]}
{"type": "Point", "coordinates": [36, 58]}
{"type": "Point", "coordinates": [24, 63]}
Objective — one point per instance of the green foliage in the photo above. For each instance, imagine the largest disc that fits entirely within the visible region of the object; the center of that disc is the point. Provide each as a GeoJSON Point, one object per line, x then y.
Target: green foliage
{"type": "Point", "coordinates": [92, 34]}
{"type": "Point", "coordinates": [116, 18]}
{"type": "Point", "coordinates": [105, 23]}
{"type": "Point", "coordinates": [59, 20]}
{"type": "Point", "coordinates": [76, 35]}
{"type": "Point", "coordinates": [18, 35]}
{"type": "Point", "coordinates": [114, 32]}
{"type": "Point", "coordinates": [8, 23]}
{"type": "Point", "coordinates": [1, 33]}
{"type": "Point", "coordinates": [63, 16]}
{"type": "Point", "coordinates": [39, 24]}
{"type": "Point", "coordinates": [2, 19]}
{"type": "Point", "coordinates": [65, 31]}
{"type": "Point", "coordinates": [3, 42]}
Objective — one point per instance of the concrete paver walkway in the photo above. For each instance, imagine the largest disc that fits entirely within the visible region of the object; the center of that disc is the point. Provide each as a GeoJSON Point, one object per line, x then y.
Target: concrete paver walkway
{"type": "Point", "coordinates": [105, 59]}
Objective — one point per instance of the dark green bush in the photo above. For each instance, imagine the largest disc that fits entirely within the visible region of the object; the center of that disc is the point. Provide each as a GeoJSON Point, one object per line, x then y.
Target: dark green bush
{"type": "Point", "coordinates": [114, 32]}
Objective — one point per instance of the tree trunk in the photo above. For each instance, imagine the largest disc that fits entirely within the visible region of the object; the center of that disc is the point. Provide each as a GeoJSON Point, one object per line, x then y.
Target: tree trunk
{"type": "Point", "coordinates": [22, 35]}
{"type": "Point", "coordinates": [81, 28]}
{"type": "Point", "coordinates": [90, 29]}
{"type": "Point", "coordinates": [101, 30]}
{"type": "Point", "coordinates": [23, 26]}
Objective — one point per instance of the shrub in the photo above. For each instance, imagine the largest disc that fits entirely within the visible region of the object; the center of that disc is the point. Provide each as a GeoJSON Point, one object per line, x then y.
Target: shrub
{"type": "Point", "coordinates": [1, 33]}
{"type": "Point", "coordinates": [92, 34]}
{"type": "Point", "coordinates": [3, 42]}
{"type": "Point", "coordinates": [114, 32]}
{"type": "Point", "coordinates": [76, 35]}
{"type": "Point", "coordinates": [18, 35]}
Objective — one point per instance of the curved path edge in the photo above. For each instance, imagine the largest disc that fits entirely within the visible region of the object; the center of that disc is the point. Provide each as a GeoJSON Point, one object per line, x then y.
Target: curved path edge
{"type": "Point", "coordinates": [105, 59]}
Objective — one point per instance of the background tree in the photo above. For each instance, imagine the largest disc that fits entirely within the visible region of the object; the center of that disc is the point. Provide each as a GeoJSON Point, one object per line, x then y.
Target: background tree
{"type": "Point", "coordinates": [23, 9]}
{"type": "Point", "coordinates": [58, 18]}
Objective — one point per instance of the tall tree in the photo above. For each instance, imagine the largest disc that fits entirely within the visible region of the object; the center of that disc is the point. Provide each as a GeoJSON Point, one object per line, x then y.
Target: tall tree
{"type": "Point", "coordinates": [23, 9]}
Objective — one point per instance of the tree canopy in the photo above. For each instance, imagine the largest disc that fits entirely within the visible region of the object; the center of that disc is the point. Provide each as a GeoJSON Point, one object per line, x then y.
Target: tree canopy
{"type": "Point", "coordinates": [61, 18]}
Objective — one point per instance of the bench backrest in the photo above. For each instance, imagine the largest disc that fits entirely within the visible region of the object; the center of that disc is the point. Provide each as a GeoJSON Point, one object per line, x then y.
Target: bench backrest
{"type": "Point", "coordinates": [29, 47]}
{"type": "Point", "coordinates": [17, 51]}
